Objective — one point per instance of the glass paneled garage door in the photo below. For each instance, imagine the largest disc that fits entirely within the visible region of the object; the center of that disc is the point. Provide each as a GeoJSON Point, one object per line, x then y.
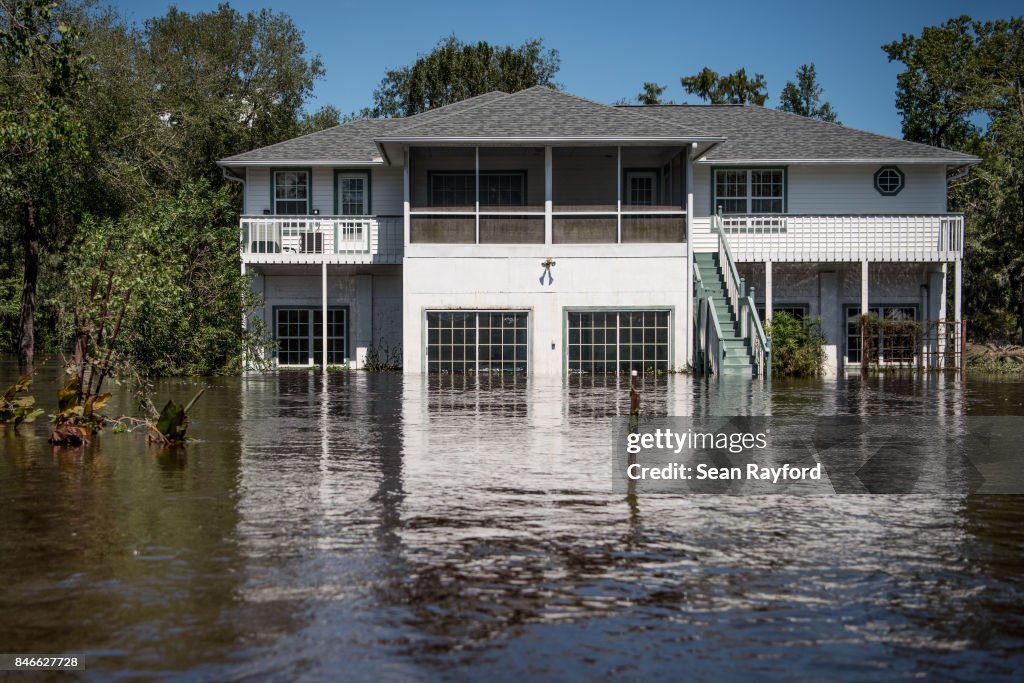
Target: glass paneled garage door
{"type": "Point", "coordinates": [488, 342]}
{"type": "Point", "coordinates": [603, 342]}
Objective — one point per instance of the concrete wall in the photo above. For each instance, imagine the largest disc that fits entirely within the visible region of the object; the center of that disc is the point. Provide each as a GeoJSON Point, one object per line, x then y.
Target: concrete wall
{"type": "Point", "coordinates": [615, 276]}
{"type": "Point", "coordinates": [374, 301]}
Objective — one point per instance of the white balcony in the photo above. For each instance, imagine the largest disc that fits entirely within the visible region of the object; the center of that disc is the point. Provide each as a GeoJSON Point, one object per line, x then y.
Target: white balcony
{"type": "Point", "coordinates": [319, 239]}
{"type": "Point", "coordinates": [837, 238]}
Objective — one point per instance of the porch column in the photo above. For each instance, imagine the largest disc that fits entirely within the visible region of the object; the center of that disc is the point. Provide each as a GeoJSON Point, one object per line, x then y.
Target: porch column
{"type": "Point", "coordinates": [958, 284]}
{"type": "Point", "coordinates": [943, 313]}
{"type": "Point", "coordinates": [405, 193]}
{"type": "Point", "coordinates": [689, 327]}
{"type": "Point", "coordinates": [476, 184]}
{"type": "Point", "coordinates": [618, 194]}
{"type": "Point", "coordinates": [547, 196]}
{"type": "Point", "coordinates": [767, 290]}
{"type": "Point", "coordinates": [323, 315]}
{"type": "Point", "coordinates": [864, 287]}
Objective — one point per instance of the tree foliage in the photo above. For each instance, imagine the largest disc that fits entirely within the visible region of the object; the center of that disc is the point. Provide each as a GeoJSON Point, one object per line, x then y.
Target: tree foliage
{"type": "Point", "coordinates": [798, 346]}
{"type": "Point", "coordinates": [174, 262]}
{"type": "Point", "coordinates": [734, 88]}
{"type": "Point", "coordinates": [652, 94]}
{"type": "Point", "coordinates": [104, 130]}
{"type": "Point", "coordinates": [961, 88]}
{"type": "Point", "coordinates": [455, 71]}
{"type": "Point", "coordinates": [804, 97]}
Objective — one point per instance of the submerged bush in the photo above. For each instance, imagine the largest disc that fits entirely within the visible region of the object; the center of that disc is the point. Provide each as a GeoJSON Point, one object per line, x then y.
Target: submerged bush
{"type": "Point", "coordinates": [797, 345]}
{"type": "Point", "coordinates": [176, 261]}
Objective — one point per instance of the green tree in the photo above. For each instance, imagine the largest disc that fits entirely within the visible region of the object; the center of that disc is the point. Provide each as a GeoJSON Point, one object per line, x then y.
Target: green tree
{"type": "Point", "coordinates": [652, 94]}
{"type": "Point", "coordinates": [805, 96]}
{"type": "Point", "coordinates": [455, 71]}
{"type": "Point", "coordinates": [734, 88]}
{"type": "Point", "coordinates": [961, 89]}
{"type": "Point", "coordinates": [227, 82]}
{"type": "Point", "coordinates": [42, 144]}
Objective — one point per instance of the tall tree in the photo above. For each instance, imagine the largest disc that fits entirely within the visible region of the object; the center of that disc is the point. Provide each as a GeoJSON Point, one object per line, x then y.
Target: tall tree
{"type": "Point", "coordinates": [961, 89]}
{"type": "Point", "coordinates": [227, 81]}
{"type": "Point", "coordinates": [455, 71]}
{"type": "Point", "coordinates": [734, 88]}
{"type": "Point", "coordinates": [805, 96]}
{"type": "Point", "coordinates": [41, 141]}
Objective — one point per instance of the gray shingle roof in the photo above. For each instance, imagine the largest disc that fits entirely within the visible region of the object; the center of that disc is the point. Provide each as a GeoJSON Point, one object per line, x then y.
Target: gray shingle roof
{"type": "Point", "coordinates": [761, 134]}
{"type": "Point", "coordinates": [751, 133]}
{"type": "Point", "coordinates": [543, 113]}
{"type": "Point", "coordinates": [350, 142]}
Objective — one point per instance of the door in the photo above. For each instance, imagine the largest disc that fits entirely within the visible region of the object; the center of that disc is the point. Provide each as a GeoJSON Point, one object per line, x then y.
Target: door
{"type": "Point", "coordinates": [353, 194]}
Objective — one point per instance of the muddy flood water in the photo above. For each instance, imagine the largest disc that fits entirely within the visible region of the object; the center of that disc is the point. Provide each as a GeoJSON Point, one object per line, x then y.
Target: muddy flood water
{"type": "Point", "coordinates": [382, 527]}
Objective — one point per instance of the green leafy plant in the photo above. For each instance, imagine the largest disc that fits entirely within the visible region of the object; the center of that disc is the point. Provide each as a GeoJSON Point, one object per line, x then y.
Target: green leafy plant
{"type": "Point", "coordinates": [170, 426]}
{"type": "Point", "coordinates": [15, 409]}
{"type": "Point", "coordinates": [383, 358]}
{"type": "Point", "coordinates": [797, 346]}
{"type": "Point", "coordinates": [78, 415]}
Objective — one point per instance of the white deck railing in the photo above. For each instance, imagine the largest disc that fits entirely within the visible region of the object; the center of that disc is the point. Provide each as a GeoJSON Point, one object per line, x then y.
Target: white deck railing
{"type": "Point", "coordinates": [293, 239]}
{"type": "Point", "coordinates": [836, 238]}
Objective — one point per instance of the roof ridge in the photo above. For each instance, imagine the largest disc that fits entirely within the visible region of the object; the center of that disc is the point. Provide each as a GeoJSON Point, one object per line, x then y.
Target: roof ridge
{"type": "Point", "coordinates": [463, 109]}
{"type": "Point", "coordinates": [616, 108]}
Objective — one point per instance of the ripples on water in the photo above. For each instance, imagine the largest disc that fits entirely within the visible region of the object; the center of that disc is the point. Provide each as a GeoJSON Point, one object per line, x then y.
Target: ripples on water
{"type": "Point", "coordinates": [388, 527]}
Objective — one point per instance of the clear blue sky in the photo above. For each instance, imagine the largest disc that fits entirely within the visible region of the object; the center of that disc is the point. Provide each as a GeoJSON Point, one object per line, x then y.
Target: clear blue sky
{"type": "Point", "coordinates": [609, 49]}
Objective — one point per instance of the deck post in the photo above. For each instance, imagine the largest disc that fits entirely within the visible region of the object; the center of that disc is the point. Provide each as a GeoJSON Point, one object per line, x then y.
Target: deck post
{"type": "Point", "coordinates": [476, 184]}
{"type": "Point", "coordinates": [943, 314]}
{"type": "Point", "coordinates": [618, 194]}
{"type": "Point", "coordinates": [958, 283]}
{"type": "Point", "coordinates": [323, 314]}
{"type": "Point", "coordinates": [864, 287]}
{"type": "Point", "coordinates": [406, 195]}
{"type": "Point", "coordinates": [547, 196]}
{"type": "Point", "coordinates": [767, 290]}
{"type": "Point", "coordinates": [689, 339]}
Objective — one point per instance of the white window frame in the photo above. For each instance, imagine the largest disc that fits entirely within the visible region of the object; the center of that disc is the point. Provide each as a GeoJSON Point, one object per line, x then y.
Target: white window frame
{"type": "Point", "coordinates": [339, 181]}
{"type": "Point", "coordinates": [637, 174]}
{"type": "Point", "coordinates": [749, 197]}
{"type": "Point", "coordinates": [274, 185]}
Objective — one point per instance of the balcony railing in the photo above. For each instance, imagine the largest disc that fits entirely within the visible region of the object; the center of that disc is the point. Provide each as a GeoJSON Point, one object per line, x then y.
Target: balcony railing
{"type": "Point", "coordinates": [837, 238]}
{"type": "Point", "coordinates": [336, 239]}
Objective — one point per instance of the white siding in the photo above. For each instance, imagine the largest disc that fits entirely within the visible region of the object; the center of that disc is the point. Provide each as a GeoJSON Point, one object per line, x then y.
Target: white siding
{"type": "Point", "coordinates": [257, 191]}
{"type": "Point", "coordinates": [323, 190]}
{"type": "Point", "coordinates": [387, 191]}
{"type": "Point", "coordinates": [845, 188]}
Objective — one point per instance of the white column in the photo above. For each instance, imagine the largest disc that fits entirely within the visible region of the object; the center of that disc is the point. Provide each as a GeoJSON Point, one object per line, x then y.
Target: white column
{"type": "Point", "coordinates": [688, 325]}
{"type": "Point", "coordinates": [767, 290]}
{"type": "Point", "coordinates": [476, 184]}
{"type": "Point", "coordinates": [547, 196]}
{"type": "Point", "coordinates": [405, 193]}
{"type": "Point", "coordinates": [323, 315]}
{"type": "Point", "coordinates": [944, 328]}
{"type": "Point", "coordinates": [864, 287]}
{"type": "Point", "coordinates": [618, 194]}
{"type": "Point", "coordinates": [958, 284]}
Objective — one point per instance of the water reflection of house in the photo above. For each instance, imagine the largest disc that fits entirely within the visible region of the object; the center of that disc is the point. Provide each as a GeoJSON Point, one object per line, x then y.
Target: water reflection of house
{"type": "Point", "coordinates": [541, 233]}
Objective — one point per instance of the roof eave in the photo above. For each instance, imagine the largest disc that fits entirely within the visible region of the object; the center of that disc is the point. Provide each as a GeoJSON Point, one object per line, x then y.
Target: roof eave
{"type": "Point", "coordinates": [237, 163]}
{"type": "Point", "coordinates": [408, 140]}
{"type": "Point", "coordinates": [947, 161]}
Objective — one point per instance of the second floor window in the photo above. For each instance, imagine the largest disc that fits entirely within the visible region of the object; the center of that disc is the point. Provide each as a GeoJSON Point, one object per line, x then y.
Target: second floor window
{"type": "Point", "coordinates": [291, 193]}
{"type": "Point", "coordinates": [497, 189]}
{"type": "Point", "coordinates": [750, 190]}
